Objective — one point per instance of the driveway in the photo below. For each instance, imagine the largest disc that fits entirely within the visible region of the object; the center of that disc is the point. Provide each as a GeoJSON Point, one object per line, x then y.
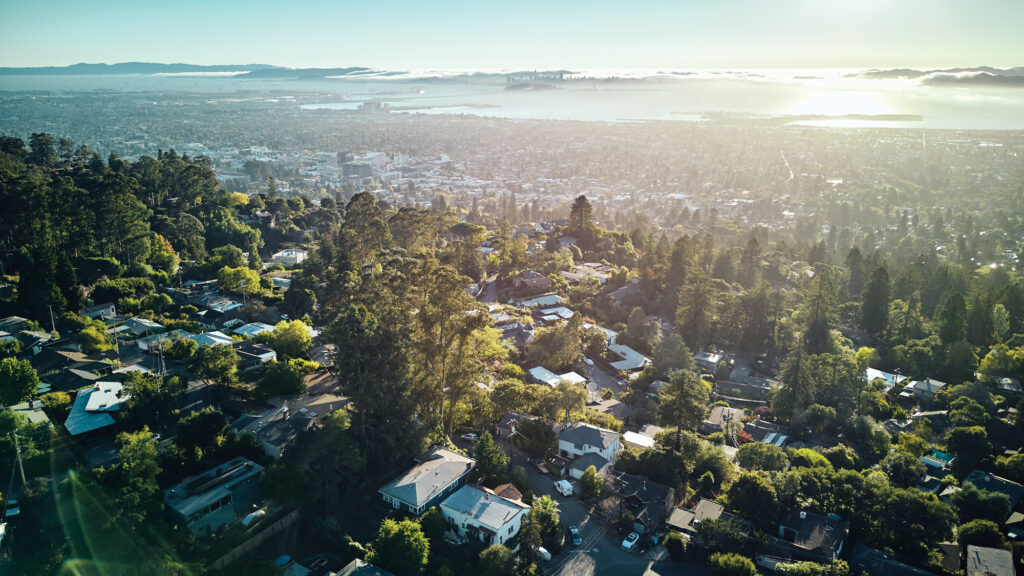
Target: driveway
{"type": "Point", "coordinates": [601, 553]}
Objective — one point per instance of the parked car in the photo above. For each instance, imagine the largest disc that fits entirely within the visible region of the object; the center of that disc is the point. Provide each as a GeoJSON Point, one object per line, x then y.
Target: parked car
{"type": "Point", "coordinates": [540, 466]}
{"type": "Point", "coordinates": [471, 436]}
{"type": "Point", "coordinates": [544, 554]}
{"type": "Point", "coordinates": [575, 533]}
{"type": "Point", "coordinates": [564, 487]}
{"type": "Point", "coordinates": [630, 541]}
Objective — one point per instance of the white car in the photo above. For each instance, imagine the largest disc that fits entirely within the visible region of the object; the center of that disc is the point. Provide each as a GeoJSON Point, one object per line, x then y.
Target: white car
{"type": "Point", "coordinates": [563, 487]}
{"type": "Point", "coordinates": [472, 437]}
{"type": "Point", "coordinates": [630, 541]}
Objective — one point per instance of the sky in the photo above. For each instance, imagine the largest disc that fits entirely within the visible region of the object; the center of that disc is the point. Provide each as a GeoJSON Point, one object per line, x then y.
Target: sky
{"type": "Point", "coordinates": [524, 34]}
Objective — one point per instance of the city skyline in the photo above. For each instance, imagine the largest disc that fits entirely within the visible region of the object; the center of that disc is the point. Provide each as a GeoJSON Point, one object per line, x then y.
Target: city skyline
{"type": "Point", "coordinates": [523, 35]}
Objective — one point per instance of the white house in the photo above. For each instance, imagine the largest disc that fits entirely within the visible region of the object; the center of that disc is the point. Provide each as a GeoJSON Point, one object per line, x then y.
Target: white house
{"type": "Point", "coordinates": [478, 514]}
{"type": "Point", "coordinates": [542, 375]}
{"type": "Point", "coordinates": [92, 408]}
{"type": "Point", "coordinates": [215, 338]}
{"type": "Point", "coordinates": [629, 359]}
{"type": "Point", "coordinates": [580, 439]}
{"type": "Point", "coordinates": [289, 257]}
{"type": "Point", "coordinates": [252, 329]}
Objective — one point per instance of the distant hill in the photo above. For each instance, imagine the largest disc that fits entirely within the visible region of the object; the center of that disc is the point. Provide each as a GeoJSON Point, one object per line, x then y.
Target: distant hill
{"type": "Point", "coordinates": [978, 76]}
{"type": "Point", "coordinates": [84, 69]}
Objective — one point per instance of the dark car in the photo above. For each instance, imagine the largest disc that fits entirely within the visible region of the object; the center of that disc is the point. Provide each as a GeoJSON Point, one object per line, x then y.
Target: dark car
{"type": "Point", "coordinates": [575, 533]}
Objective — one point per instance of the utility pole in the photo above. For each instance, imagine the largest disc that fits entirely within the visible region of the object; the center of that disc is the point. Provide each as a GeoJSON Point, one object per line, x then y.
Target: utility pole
{"type": "Point", "coordinates": [17, 451]}
{"type": "Point", "coordinates": [53, 325]}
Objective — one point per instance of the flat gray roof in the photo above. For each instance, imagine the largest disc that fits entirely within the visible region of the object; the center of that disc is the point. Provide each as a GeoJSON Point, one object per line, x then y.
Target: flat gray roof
{"type": "Point", "coordinates": [198, 492]}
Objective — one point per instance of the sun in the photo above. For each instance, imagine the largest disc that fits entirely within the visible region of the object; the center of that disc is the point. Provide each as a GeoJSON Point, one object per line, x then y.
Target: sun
{"type": "Point", "coordinates": [826, 102]}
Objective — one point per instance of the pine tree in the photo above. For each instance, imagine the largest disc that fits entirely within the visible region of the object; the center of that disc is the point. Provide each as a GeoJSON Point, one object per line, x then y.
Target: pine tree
{"type": "Point", "coordinates": [875, 305]}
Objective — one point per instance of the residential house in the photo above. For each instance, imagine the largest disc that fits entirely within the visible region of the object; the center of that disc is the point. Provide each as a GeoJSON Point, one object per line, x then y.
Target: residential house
{"type": "Point", "coordinates": [216, 497]}
{"type": "Point", "coordinates": [686, 521]}
{"type": "Point", "coordinates": [871, 561]}
{"type": "Point", "coordinates": [937, 463]}
{"type": "Point", "coordinates": [541, 375]}
{"type": "Point", "coordinates": [34, 341]}
{"type": "Point", "coordinates": [637, 441]}
{"type": "Point", "coordinates": [215, 338]}
{"type": "Point", "coordinates": [519, 333]}
{"type": "Point", "coordinates": [152, 343]}
{"type": "Point", "coordinates": [813, 537]}
{"type": "Point", "coordinates": [254, 356]}
{"type": "Point", "coordinates": [650, 502]}
{"type": "Point", "coordinates": [252, 329]}
{"type": "Point", "coordinates": [531, 282]}
{"type": "Point", "coordinates": [507, 424]}
{"type": "Point", "coordinates": [279, 427]}
{"type": "Point", "coordinates": [613, 407]}
{"type": "Point", "coordinates": [71, 379]}
{"type": "Point", "coordinates": [554, 315]}
{"type": "Point", "coordinates": [579, 439]}
{"type": "Point", "coordinates": [437, 474]}
{"type": "Point", "coordinates": [578, 466]}
{"type": "Point", "coordinates": [629, 359]}
{"type": "Point", "coordinates": [1014, 526]}
{"type": "Point", "coordinates": [93, 407]}
{"type": "Point", "coordinates": [477, 514]}
{"type": "Point", "coordinates": [137, 327]}
{"type": "Point", "coordinates": [584, 272]}
{"type": "Point", "coordinates": [119, 374]}
{"type": "Point", "coordinates": [983, 561]}
{"type": "Point", "coordinates": [764, 431]}
{"type": "Point", "coordinates": [719, 418]}
{"type": "Point", "coordinates": [1009, 387]}
{"type": "Point", "coordinates": [923, 390]}
{"type": "Point", "coordinates": [359, 567]}
{"type": "Point", "coordinates": [104, 310]}
{"type": "Point", "coordinates": [891, 380]}
{"type": "Point", "coordinates": [707, 361]}
{"type": "Point", "coordinates": [987, 481]}
{"type": "Point", "coordinates": [508, 492]}
{"type": "Point", "coordinates": [541, 302]}
{"type": "Point", "coordinates": [629, 295]}
{"type": "Point", "coordinates": [290, 257]}
{"type": "Point", "coordinates": [33, 410]}
{"type": "Point", "coordinates": [12, 324]}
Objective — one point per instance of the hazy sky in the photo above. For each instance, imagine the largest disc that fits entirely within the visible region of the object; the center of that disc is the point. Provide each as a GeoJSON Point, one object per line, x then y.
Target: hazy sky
{"type": "Point", "coordinates": [519, 34]}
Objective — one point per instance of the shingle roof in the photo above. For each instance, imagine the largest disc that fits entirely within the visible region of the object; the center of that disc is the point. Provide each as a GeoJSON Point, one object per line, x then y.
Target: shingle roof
{"type": "Point", "coordinates": [587, 460]}
{"type": "Point", "coordinates": [585, 434]}
{"type": "Point", "coordinates": [989, 561]}
{"type": "Point", "coordinates": [427, 479]}
{"type": "Point", "coordinates": [815, 533]}
{"type": "Point", "coordinates": [991, 482]}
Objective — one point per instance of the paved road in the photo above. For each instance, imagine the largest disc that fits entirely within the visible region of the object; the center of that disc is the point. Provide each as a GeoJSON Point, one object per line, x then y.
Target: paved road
{"type": "Point", "coordinates": [490, 291]}
{"type": "Point", "coordinates": [600, 379]}
{"type": "Point", "coordinates": [601, 553]}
